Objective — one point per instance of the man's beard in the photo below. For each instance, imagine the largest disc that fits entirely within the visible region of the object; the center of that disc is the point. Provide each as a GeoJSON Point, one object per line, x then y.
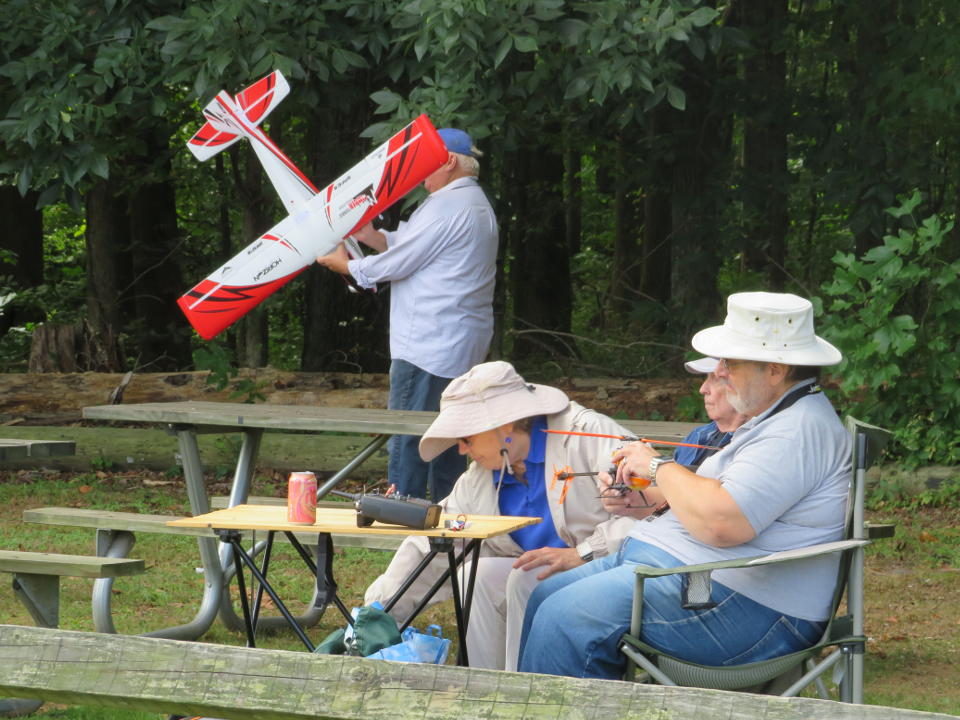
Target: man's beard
{"type": "Point", "coordinates": [747, 400]}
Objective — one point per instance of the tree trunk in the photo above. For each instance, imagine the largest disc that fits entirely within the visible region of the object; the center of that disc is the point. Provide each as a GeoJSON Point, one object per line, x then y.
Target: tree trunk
{"type": "Point", "coordinates": [540, 267]}
{"type": "Point", "coordinates": [106, 222]}
{"type": "Point", "coordinates": [573, 190]}
{"type": "Point", "coordinates": [342, 330]}
{"type": "Point", "coordinates": [253, 328]}
{"type": "Point", "coordinates": [160, 332]}
{"type": "Point", "coordinates": [23, 235]}
{"type": "Point", "coordinates": [765, 178]}
{"type": "Point", "coordinates": [695, 199]}
{"type": "Point", "coordinates": [626, 271]}
{"type": "Point", "coordinates": [657, 261]}
{"type": "Point", "coordinates": [53, 348]}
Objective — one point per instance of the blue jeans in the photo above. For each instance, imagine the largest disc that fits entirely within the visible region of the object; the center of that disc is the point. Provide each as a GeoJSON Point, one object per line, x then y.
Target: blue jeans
{"type": "Point", "coordinates": [575, 619]}
{"type": "Point", "coordinates": [412, 388]}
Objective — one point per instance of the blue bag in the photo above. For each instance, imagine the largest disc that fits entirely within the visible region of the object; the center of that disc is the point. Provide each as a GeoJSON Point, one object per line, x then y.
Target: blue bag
{"type": "Point", "coordinates": [418, 647]}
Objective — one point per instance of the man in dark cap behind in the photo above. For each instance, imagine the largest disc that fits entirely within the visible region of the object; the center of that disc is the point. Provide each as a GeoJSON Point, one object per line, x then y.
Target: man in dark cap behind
{"type": "Point", "coordinates": [441, 266]}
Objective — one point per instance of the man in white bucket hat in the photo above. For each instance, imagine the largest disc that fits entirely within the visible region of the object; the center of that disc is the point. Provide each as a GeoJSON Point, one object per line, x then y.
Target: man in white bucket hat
{"type": "Point", "coordinates": [498, 419]}
{"type": "Point", "coordinates": [780, 484]}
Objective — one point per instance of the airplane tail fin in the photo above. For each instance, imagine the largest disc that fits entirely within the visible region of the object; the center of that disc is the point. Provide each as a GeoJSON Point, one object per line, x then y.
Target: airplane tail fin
{"type": "Point", "coordinates": [256, 102]}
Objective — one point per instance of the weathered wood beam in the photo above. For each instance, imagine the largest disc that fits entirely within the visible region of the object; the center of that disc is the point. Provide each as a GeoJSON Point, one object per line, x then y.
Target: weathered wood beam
{"type": "Point", "coordinates": [193, 678]}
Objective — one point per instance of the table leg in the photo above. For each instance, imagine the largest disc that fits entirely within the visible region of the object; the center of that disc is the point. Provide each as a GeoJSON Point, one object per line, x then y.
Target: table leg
{"type": "Point", "coordinates": [240, 556]}
{"type": "Point", "coordinates": [243, 472]}
{"type": "Point", "coordinates": [446, 545]}
{"type": "Point", "coordinates": [472, 547]}
{"type": "Point", "coordinates": [468, 600]}
{"type": "Point", "coordinates": [213, 578]}
{"type": "Point", "coordinates": [314, 569]}
{"type": "Point", "coordinates": [231, 540]}
{"type": "Point", "coordinates": [263, 571]}
{"type": "Point", "coordinates": [411, 578]}
{"type": "Point", "coordinates": [347, 469]}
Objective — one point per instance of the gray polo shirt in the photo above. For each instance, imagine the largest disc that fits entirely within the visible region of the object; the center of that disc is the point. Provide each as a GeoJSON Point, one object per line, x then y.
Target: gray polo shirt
{"type": "Point", "coordinates": [789, 474]}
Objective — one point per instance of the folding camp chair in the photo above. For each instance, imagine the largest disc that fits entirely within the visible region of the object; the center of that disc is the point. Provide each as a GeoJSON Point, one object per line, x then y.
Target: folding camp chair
{"type": "Point", "coordinates": [790, 674]}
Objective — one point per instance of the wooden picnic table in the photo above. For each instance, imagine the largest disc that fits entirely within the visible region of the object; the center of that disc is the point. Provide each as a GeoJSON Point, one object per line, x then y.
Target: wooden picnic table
{"type": "Point", "coordinates": [188, 419]}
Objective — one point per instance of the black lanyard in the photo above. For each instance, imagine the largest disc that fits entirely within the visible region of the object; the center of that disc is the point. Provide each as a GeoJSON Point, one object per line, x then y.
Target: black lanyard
{"type": "Point", "coordinates": [791, 397]}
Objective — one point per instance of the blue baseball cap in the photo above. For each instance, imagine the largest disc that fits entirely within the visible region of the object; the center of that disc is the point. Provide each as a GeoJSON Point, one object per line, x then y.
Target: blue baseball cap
{"type": "Point", "coordinates": [457, 141]}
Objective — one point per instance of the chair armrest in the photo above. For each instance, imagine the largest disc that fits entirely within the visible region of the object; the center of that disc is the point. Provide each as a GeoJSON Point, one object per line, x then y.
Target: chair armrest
{"type": "Point", "coordinates": [777, 557]}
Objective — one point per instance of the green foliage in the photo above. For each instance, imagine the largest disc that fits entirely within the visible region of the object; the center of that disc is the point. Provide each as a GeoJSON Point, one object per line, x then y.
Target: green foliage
{"type": "Point", "coordinates": [897, 492]}
{"type": "Point", "coordinates": [690, 409]}
{"type": "Point", "coordinates": [895, 314]}
{"type": "Point", "coordinates": [612, 60]}
{"type": "Point", "coordinates": [216, 358]}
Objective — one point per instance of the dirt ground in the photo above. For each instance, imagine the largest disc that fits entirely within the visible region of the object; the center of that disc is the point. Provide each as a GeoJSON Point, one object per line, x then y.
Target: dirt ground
{"type": "Point", "coordinates": [57, 398]}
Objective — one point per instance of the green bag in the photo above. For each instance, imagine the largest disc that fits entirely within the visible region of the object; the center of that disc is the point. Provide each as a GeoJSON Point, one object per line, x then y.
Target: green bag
{"type": "Point", "coordinates": [373, 630]}
{"type": "Point", "coordinates": [332, 644]}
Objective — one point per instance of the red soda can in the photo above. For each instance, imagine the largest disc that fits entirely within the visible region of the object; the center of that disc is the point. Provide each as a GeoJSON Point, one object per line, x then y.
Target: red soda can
{"type": "Point", "coordinates": [302, 498]}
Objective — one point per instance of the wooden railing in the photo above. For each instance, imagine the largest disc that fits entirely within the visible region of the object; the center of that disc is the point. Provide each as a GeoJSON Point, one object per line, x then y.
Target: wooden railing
{"type": "Point", "coordinates": [186, 678]}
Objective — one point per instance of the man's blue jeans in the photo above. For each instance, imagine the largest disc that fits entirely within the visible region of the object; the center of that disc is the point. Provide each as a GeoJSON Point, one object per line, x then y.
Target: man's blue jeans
{"type": "Point", "coordinates": [412, 388]}
{"type": "Point", "coordinates": [575, 619]}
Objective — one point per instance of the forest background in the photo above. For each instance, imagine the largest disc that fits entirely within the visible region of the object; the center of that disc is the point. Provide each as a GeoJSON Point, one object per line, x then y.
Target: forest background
{"type": "Point", "coordinates": [645, 159]}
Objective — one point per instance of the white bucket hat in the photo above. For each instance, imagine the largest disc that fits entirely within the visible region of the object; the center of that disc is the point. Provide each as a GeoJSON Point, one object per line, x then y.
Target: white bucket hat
{"type": "Point", "coordinates": [485, 397]}
{"type": "Point", "coordinates": [767, 327]}
{"type": "Point", "coordinates": [702, 366]}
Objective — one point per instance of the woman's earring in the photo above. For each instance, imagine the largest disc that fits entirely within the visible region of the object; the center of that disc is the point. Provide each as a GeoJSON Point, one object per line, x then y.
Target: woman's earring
{"type": "Point", "coordinates": [508, 439]}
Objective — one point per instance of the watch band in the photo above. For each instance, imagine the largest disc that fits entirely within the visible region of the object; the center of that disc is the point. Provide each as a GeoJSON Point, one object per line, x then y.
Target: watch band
{"type": "Point", "coordinates": [655, 463]}
{"type": "Point", "coordinates": [585, 551]}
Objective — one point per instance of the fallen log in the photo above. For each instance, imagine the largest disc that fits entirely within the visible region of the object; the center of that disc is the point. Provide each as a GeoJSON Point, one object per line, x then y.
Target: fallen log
{"type": "Point", "coordinates": [155, 675]}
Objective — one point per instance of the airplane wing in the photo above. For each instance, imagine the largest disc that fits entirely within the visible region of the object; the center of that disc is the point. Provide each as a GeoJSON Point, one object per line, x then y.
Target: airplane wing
{"type": "Point", "coordinates": [314, 228]}
{"type": "Point", "coordinates": [256, 102]}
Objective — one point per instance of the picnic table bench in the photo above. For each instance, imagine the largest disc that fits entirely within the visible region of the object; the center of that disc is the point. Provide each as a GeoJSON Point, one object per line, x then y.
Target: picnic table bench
{"type": "Point", "coordinates": [15, 449]}
{"type": "Point", "coordinates": [36, 583]}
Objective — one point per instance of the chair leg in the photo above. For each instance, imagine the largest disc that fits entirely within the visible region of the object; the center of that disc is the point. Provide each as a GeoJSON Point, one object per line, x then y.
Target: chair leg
{"type": "Point", "coordinates": [636, 615]}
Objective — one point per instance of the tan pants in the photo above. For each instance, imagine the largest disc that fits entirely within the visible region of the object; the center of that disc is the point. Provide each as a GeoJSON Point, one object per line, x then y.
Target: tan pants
{"type": "Point", "coordinates": [496, 617]}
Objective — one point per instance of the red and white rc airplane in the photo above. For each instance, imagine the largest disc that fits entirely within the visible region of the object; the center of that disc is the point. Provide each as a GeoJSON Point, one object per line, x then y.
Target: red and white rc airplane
{"type": "Point", "coordinates": [318, 220]}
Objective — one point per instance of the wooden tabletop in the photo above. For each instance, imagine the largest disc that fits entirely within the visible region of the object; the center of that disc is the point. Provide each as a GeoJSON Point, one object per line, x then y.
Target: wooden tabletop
{"type": "Point", "coordinates": [277, 417]}
{"type": "Point", "coordinates": [336, 520]}
{"type": "Point", "coordinates": [237, 416]}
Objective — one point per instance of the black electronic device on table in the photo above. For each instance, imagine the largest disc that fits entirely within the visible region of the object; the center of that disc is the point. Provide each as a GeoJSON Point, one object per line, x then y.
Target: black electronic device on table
{"type": "Point", "coordinates": [393, 509]}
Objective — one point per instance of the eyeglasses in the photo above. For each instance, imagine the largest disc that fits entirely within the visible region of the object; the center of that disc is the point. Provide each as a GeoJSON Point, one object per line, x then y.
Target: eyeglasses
{"type": "Point", "coordinates": [728, 365]}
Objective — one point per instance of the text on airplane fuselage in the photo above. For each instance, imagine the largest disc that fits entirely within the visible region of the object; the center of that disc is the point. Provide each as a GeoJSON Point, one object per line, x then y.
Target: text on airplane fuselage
{"type": "Point", "coordinates": [364, 197]}
{"type": "Point", "coordinates": [267, 269]}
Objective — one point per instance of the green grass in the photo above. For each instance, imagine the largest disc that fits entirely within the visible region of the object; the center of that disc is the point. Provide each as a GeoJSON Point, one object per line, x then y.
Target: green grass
{"type": "Point", "coordinates": [93, 713]}
{"type": "Point", "coordinates": [912, 583]}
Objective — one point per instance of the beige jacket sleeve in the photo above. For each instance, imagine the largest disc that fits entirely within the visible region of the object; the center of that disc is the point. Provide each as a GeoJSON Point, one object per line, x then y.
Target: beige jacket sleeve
{"type": "Point", "coordinates": [581, 519]}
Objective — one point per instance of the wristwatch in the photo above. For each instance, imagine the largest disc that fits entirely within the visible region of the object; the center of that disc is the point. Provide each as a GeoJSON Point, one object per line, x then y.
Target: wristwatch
{"type": "Point", "coordinates": [655, 463]}
{"type": "Point", "coordinates": [585, 551]}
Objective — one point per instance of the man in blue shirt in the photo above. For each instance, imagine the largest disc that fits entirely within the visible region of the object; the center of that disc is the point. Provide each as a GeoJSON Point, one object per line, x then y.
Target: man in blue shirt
{"type": "Point", "coordinates": [441, 266]}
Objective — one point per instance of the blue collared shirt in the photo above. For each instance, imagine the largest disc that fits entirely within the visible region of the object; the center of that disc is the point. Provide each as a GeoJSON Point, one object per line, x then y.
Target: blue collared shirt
{"type": "Point", "coordinates": [531, 499]}
{"type": "Point", "coordinates": [441, 265]}
{"type": "Point", "coordinates": [708, 434]}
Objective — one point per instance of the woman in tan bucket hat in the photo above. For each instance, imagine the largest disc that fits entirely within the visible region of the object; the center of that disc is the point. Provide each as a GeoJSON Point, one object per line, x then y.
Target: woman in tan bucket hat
{"type": "Point", "coordinates": [497, 419]}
